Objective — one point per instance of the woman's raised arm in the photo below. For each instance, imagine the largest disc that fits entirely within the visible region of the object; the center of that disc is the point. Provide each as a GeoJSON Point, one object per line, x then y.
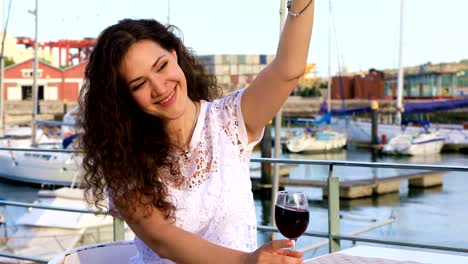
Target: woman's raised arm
{"type": "Point", "coordinates": [267, 93]}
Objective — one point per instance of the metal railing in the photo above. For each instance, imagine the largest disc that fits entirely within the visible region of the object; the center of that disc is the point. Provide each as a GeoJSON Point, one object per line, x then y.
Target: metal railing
{"type": "Point", "coordinates": [333, 235]}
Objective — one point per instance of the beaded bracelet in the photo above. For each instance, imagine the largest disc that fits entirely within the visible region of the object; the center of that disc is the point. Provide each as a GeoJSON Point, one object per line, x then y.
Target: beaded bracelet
{"type": "Point", "coordinates": [292, 13]}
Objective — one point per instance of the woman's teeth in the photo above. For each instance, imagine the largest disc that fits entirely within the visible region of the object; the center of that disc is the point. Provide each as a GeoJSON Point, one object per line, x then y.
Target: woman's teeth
{"type": "Point", "coordinates": [167, 98]}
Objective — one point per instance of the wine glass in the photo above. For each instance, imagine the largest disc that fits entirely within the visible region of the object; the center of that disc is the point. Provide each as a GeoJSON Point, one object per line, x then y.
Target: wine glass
{"type": "Point", "coordinates": [292, 214]}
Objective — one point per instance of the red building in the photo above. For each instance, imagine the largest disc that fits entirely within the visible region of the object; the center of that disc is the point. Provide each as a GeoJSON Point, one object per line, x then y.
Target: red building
{"type": "Point", "coordinates": [369, 86]}
{"type": "Point", "coordinates": [53, 83]}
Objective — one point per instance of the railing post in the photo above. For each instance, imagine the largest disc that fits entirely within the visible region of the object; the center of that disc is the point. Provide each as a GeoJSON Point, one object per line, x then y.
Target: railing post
{"type": "Point", "coordinates": [333, 210]}
{"type": "Point", "coordinates": [119, 229]}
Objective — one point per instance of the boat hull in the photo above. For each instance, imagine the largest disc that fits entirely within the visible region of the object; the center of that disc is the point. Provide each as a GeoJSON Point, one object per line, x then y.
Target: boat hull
{"type": "Point", "coordinates": [308, 143]}
{"type": "Point", "coordinates": [403, 144]}
{"type": "Point", "coordinates": [39, 168]}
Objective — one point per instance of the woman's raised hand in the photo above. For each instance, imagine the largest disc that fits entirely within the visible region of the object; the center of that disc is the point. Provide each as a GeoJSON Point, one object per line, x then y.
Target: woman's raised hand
{"type": "Point", "coordinates": [275, 252]}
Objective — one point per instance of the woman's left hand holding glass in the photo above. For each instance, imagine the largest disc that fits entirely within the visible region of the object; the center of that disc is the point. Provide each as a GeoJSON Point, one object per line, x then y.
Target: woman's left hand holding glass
{"type": "Point", "coordinates": [275, 251]}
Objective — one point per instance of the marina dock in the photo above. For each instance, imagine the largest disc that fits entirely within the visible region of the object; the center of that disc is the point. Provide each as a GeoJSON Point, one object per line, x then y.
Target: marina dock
{"type": "Point", "coordinates": [354, 189]}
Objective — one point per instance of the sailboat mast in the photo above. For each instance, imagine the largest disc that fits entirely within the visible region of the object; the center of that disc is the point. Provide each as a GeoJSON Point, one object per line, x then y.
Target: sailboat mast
{"type": "Point", "coordinates": [399, 103]}
{"type": "Point", "coordinates": [34, 87]}
{"type": "Point", "coordinates": [329, 59]}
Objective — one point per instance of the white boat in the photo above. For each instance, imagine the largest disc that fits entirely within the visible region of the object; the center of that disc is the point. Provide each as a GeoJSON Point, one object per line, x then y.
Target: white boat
{"type": "Point", "coordinates": [44, 233]}
{"type": "Point", "coordinates": [359, 131]}
{"type": "Point", "coordinates": [52, 168]}
{"type": "Point", "coordinates": [424, 143]}
{"type": "Point", "coordinates": [313, 142]}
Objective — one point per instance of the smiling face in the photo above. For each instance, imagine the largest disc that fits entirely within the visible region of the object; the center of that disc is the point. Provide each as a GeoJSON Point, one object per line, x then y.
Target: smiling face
{"type": "Point", "coordinates": [155, 80]}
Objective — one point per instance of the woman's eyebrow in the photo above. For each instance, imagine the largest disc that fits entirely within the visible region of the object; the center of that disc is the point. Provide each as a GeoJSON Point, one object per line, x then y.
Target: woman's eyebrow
{"type": "Point", "coordinates": [152, 67]}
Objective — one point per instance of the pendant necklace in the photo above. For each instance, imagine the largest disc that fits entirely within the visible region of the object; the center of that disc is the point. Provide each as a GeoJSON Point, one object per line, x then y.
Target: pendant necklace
{"type": "Point", "coordinates": [186, 151]}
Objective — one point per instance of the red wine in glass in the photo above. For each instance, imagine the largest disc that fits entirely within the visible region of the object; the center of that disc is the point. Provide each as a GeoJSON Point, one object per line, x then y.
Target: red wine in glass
{"type": "Point", "coordinates": [291, 222]}
{"type": "Point", "coordinates": [291, 214]}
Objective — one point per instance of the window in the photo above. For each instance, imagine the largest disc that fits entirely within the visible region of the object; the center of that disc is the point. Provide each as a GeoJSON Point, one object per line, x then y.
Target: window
{"type": "Point", "coordinates": [26, 92]}
{"type": "Point", "coordinates": [28, 73]}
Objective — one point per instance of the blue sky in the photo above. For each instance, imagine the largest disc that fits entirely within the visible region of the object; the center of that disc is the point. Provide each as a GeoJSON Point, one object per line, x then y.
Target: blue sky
{"type": "Point", "coordinates": [367, 31]}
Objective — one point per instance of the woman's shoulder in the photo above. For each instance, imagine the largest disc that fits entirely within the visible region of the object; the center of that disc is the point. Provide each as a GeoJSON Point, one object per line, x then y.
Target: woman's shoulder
{"type": "Point", "coordinates": [226, 106]}
{"type": "Point", "coordinates": [230, 97]}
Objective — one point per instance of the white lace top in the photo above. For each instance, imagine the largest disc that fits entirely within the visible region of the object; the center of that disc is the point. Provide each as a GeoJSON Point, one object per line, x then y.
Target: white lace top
{"type": "Point", "coordinates": [215, 201]}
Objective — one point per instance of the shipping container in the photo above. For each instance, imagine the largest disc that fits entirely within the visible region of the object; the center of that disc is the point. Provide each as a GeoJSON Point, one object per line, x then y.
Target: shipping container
{"type": "Point", "coordinates": [233, 59]}
{"type": "Point", "coordinates": [249, 78]}
{"type": "Point", "coordinates": [242, 69]}
{"type": "Point", "coordinates": [241, 59]}
{"type": "Point", "coordinates": [234, 69]}
{"type": "Point", "coordinates": [252, 59]}
{"type": "Point", "coordinates": [234, 79]}
{"type": "Point", "coordinates": [210, 68]}
{"type": "Point", "coordinates": [227, 59]}
{"type": "Point", "coordinates": [226, 69]}
{"type": "Point", "coordinates": [218, 69]}
{"type": "Point", "coordinates": [256, 68]}
{"type": "Point", "coordinates": [341, 84]}
{"type": "Point", "coordinates": [207, 59]}
{"type": "Point", "coordinates": [270, 58]}
{"type": "Point", "coordinates": [242, 79]}
{"type": "Point", "coordinates": [218, 59]}
{"type": "Point", "coordinates": [248, 69]}
{"type": "Point", "coordinates": [224, 79]}
{"type": "Point", "coordinates": [357, 90]}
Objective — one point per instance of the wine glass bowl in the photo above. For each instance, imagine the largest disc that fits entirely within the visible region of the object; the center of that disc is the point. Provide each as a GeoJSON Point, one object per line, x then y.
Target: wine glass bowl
{"type": "Point", "coordinates": [291, 214]}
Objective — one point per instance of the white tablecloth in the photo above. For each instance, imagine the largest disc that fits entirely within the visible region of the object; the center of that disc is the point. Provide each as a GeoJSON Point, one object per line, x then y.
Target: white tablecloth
{"type": "Point", "coordinates": [395, 255]}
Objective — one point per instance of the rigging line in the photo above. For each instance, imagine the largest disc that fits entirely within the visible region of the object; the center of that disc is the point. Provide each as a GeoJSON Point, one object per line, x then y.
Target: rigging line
{"type": "Point", "coordinates": [336, 40]}
{"type": "Point", "coordinates": [5, 30]}
{"type": "Point", "coordinates": [332, 14]}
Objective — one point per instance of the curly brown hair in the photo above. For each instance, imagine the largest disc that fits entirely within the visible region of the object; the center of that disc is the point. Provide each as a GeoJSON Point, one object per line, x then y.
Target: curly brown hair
{"type": "Point", "coordinates": [125, 149]}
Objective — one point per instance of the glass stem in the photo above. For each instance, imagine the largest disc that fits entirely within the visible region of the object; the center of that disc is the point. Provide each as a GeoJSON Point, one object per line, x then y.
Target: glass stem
{"type": "Point", "coordinates": [294, 244]}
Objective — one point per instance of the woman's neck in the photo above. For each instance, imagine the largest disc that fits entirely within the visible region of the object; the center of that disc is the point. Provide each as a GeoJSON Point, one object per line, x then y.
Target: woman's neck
{"type": "Point", "coordinates": [181, 130]}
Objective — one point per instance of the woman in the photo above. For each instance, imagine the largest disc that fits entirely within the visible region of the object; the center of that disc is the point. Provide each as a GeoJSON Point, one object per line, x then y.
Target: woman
{"type": "Point", "coordinates": [174, 163]}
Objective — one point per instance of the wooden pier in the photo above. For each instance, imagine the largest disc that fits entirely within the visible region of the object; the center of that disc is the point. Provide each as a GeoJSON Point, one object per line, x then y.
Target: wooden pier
{"type": "Point", "coordinates": [363, 188]}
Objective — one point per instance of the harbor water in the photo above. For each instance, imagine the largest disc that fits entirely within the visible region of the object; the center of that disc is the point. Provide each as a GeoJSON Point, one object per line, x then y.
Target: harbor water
{"type": "Point", "coordinates": [436, 215]}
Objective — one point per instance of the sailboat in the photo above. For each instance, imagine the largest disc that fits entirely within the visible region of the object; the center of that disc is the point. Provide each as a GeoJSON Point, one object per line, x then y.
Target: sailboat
{"type": "Point", "coordinates": [315, 141]}
{"type": "Point", "coordinates": [52, 167]}
{"type": "Point", "coordinates": [421, 143]}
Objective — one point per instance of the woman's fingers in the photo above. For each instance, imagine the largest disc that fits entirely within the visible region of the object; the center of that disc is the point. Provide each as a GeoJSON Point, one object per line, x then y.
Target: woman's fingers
{"type": "Point", "coordinates": [276, 245]}
{"type": "Point", "coordinates": [276, 252]}
{"type": "Point", "coordinates": [289, 253]}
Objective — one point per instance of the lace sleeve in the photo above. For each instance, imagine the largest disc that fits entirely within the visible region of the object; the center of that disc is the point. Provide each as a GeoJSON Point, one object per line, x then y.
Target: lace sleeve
{"type": "Point", "coordinates": [233, 121]}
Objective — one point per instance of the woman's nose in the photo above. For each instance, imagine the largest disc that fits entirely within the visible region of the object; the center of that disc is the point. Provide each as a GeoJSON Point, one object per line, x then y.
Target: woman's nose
{"type": "Point", "coordinates": [156, 85]}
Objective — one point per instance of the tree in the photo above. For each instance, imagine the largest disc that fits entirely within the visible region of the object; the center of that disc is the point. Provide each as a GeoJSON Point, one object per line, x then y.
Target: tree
{"type": "Point", "coordinates": [9, 61]}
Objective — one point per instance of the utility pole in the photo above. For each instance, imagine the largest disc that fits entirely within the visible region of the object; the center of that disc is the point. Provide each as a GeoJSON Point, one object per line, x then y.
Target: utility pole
{"type": "Point", "coordinates": [2, 71]}
{"type": "Point", "coordinates": [34, 87]}
{"type": "Point", "coordinates": [2, 99]}
{"type": "Point", "coordinates": [329, 59]}
{"type": "Point", "coordinates": [278, 117]}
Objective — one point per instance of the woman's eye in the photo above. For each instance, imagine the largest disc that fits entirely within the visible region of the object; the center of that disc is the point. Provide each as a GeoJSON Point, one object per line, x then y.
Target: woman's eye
{"type": "Point", "coordinates": [162, 66]}
{"type": "Point", "coordinates": [136, 87]}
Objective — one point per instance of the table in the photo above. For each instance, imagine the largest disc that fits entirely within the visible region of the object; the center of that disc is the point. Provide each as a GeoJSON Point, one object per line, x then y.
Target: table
{"type": "Point", "coordinates": [370, 254]}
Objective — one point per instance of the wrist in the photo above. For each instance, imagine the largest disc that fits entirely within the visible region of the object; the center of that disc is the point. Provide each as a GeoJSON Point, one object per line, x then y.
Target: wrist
{"type": "Point", "coordinates": [243, 258]}
{"type": "Point", "coordinates": [296, 8]}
